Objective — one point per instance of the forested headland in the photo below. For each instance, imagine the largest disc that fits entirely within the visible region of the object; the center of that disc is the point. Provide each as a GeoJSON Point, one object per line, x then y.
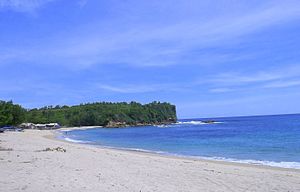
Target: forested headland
{"type": "Point", "coordinates": [90, 114]}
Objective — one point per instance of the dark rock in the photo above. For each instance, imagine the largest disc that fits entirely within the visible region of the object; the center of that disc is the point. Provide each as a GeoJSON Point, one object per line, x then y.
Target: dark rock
{"type": "Point", "coordinates": [208, 121]}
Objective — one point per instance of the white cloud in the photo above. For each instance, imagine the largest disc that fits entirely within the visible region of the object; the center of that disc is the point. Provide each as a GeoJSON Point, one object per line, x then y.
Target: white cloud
{"type": "Point", "coordinates": [82, 3]}
{"type": "Point", "coordinates": [241, 105]}
{"type": "Point", "coordinates": [244, 78]}
{"type": "Point", "coordinates": [283, 84]}
{"type": "Point", "coordinates": [221, 90]}
{"type": "Point", "coordinates": [287, 76]}
{"type": "Point", "coordinates": [150, 44]}
{"type": "Point", "coordinates": [127, 89]}
{"type": "Point", "coordinates": [140, 88]}
{"type": "Point", "coordinates": [170, 44]}
{"type": "Point", "coordinates": [236, 78]}
{"type": "Point", "coordinates": [22, 5]}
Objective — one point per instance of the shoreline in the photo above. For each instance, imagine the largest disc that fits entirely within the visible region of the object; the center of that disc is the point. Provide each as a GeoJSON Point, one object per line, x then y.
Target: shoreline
{"type": "Point", "coordinates": [170, 155]}
{"type": "Point", "coordinates": [29, 166]}
{"type": "Point", "coordinates": [115, 127]}
{"type": "Point", "coordinates": [77, 128]}
{"type": "Point", "coordinates": [137, 125]}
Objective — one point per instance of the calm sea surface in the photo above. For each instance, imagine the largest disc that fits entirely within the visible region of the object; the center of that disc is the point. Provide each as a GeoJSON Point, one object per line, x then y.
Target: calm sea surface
{"type": "Point", "coordinates": [272, 140]}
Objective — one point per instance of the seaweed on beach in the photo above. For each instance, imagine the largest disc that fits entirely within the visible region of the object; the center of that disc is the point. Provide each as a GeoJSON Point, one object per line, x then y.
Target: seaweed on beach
{"type": "Point", "coordinates": [5, 149]}
{"type": "Point", "coordinates": [58, 149]}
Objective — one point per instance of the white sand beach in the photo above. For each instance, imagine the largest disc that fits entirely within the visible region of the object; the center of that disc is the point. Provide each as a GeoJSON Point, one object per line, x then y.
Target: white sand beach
{"type": "Point", "coordinates": [26, 166]}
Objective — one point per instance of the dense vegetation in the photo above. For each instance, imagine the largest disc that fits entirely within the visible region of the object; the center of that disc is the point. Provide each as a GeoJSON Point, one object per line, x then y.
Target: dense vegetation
{"type": "Point", "coordinates": [102, 113]}
{"type": "Point", "coordinates": [11, 114]}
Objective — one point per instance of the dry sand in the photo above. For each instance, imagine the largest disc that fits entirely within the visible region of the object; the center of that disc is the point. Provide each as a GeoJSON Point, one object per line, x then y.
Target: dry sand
{"type": "Point", "coordinates": [86, 168]}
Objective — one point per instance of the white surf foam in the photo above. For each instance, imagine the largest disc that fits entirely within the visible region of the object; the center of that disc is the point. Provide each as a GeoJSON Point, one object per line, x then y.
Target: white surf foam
{"type": "Point", "coordinates": [196, 122]}
{"type": "Point", "coordinates": [283, 164]}
{"type": "Point", "coordinates": [164, 126]}
{"type": "Point", "coordinates": [74, 140]}
{"type": "Point", "coordinates": [190, 122]}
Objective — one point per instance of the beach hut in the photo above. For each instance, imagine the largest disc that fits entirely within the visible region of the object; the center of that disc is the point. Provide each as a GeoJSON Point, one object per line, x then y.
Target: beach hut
{"type": "Point", "coordinates": [52, 125]}
{"type": "Point", "coordinates": [27, 125]}
{"type": "Point", "coordinates": [40, 126]}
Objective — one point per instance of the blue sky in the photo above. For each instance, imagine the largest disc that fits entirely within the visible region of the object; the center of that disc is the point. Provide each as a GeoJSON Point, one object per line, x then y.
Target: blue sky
{"type": "Point", "coordinates": [221, 58]}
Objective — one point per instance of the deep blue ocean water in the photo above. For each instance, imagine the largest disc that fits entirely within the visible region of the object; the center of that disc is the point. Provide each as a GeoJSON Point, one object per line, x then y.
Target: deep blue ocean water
{"type": "Point", "coordinates": [272, 140]}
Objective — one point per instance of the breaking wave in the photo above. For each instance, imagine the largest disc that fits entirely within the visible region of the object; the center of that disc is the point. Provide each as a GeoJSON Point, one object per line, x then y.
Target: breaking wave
{"type": "Point", "coordinates": [195, 122]}
{"type": "Point", "coordinates": [283, 164]}
{"type": "Point", "coordinates": [74, 140]}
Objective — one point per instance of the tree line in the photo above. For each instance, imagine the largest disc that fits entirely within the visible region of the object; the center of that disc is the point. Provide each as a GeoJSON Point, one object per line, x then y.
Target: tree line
{"type": "Point", "coordinates": [89, 114]}
{"type": "Point", "coordinates": [11, 114]}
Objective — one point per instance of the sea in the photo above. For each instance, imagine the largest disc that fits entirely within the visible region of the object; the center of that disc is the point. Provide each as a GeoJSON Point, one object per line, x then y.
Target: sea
{"type": "Point", "coordinates": [272, 140]}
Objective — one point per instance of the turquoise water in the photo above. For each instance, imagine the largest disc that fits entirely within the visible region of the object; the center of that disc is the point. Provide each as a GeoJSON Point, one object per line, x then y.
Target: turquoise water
{"type": "Point", "coordinates": [272, 140]}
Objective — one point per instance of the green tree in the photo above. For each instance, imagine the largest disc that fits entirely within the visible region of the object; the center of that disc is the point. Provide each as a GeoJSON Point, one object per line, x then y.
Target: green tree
{"type": "Point", "coordinates": [11, 114]}
{"type": "Point", "coordinates": [100, 113]}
